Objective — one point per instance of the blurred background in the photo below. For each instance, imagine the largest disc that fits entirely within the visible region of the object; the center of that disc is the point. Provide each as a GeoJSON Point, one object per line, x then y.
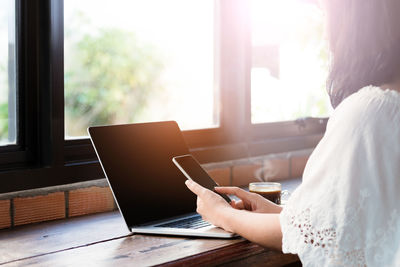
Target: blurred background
{"type": "Point", "coordinates": [152, 60]}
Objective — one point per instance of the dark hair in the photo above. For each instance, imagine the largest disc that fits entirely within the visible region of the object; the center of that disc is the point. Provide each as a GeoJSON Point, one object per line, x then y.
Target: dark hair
{"type": "Point", "coordinates": [364, 38]}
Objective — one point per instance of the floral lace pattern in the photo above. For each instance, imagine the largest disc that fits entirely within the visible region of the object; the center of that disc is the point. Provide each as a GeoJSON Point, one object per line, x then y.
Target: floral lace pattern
{"type": "Point", "coordinates": [325, 239]}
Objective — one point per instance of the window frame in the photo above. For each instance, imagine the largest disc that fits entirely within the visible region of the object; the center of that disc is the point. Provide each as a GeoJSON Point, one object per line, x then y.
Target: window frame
{"type": "Point", "coordinates": [42, 156]}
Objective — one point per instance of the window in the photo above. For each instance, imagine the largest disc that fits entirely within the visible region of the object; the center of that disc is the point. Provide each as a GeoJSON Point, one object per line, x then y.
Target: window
{"type": "Point", "coordinates": [8, 124]}
{"type": "Point", "coordinates": [139, 61]}
{"type": "Point", "coordinates": [289, 61]}
{"type": "Point", "coordinates": [65, 65]}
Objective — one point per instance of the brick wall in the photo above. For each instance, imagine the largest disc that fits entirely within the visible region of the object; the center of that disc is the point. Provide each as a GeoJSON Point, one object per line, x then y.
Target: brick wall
{"type": "Point", "coordinates": [267, 168]}
{"type": "Point", "coordinates": [60, 202]}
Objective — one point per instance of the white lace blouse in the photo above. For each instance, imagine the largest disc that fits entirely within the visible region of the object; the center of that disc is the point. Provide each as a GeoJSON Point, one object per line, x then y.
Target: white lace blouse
{"type": "Point", "coordinates": [347, 210]}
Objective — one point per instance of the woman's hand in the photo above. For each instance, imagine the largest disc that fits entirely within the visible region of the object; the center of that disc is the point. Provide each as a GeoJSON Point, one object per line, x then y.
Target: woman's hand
{"type": "Point", "coordinates": [261, 228]}
{"type": "Point", "coordinates": [209, 204]}
{"type": "Point", "coordinates": [249, 201]}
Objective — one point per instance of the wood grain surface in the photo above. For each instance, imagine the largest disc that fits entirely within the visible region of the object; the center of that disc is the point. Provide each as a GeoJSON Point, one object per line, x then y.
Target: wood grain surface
{"type": "Point", "coordinates": [42, 238]}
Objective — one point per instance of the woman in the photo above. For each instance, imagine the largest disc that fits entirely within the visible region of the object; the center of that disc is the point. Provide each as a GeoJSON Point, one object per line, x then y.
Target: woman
{"type": "Point", "coordinates": [347, 210]}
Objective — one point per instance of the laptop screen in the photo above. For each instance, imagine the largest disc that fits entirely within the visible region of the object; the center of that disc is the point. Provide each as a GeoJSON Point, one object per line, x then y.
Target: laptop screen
{"type": "Point", "coordinates": [137, 160]}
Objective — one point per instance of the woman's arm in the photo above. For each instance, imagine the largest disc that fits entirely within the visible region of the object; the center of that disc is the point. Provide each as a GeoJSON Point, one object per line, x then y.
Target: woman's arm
{"type": "Point", "coordinates": [261, 228]}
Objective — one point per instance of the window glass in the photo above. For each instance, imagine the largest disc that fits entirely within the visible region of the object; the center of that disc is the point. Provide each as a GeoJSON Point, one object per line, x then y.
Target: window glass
{"type": "Point", "coordinates": [139, 61]}
{"type": "Point", "coordinates": [8, 130]}
{"type": "Point", "coordinates": [289, 61]}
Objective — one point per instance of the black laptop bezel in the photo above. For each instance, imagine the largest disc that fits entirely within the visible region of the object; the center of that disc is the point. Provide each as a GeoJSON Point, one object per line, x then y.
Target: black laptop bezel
{"type": "Point", "coordinates": [178, 145]}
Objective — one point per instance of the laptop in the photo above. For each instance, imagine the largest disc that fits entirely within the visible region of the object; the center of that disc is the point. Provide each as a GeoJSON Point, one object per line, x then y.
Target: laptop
{"type": "Point", "coordinates": [148, 188]}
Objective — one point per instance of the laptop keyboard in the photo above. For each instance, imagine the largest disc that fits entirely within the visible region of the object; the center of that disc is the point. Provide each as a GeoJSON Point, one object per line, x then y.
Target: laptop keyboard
{"type": "Point", "coordinates": [190, 223]}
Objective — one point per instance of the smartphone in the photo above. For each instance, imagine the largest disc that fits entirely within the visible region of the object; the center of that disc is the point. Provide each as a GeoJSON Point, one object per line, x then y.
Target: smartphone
{"type": "Point", "coordinates": [192, 169]}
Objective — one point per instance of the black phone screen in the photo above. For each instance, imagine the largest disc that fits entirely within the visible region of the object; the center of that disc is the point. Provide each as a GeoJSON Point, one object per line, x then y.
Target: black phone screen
{"type": "Point", "coordinates": [192, 169]}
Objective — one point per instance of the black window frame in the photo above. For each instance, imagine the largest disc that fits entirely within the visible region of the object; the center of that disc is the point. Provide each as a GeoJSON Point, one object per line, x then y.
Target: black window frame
{"type": "Point", "coordinates": [42, 156]}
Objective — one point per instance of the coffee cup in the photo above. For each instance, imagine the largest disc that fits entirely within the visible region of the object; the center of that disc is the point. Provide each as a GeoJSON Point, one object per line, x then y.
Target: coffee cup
{"type": "Point", "coordinates": [271, 191]}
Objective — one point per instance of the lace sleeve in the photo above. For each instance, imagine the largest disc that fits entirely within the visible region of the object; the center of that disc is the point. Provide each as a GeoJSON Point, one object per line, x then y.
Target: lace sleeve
{"type": "Point", "coordinates": [345, 213]}
{"type": "Point", "coordinates": [329, 246]}
{"type": "Point", "coordinates": [319, 243]}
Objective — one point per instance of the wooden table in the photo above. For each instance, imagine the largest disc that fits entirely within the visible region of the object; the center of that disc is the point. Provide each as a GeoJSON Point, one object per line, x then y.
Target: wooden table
{"type": "Point", "coordinates": [104, 240]}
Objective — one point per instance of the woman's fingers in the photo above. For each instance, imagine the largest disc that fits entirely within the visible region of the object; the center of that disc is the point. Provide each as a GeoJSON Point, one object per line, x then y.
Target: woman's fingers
{"type": "Point", "coordinates": [247, 200]}
{"type": "Point", "coordinates": [237, 204]}
{"type": "Point", "coordinates": [195, 187]}
{"type": "Point", "coordinates": [233, 190]}
{"type": "Point", "coordinates": [209, 204]}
